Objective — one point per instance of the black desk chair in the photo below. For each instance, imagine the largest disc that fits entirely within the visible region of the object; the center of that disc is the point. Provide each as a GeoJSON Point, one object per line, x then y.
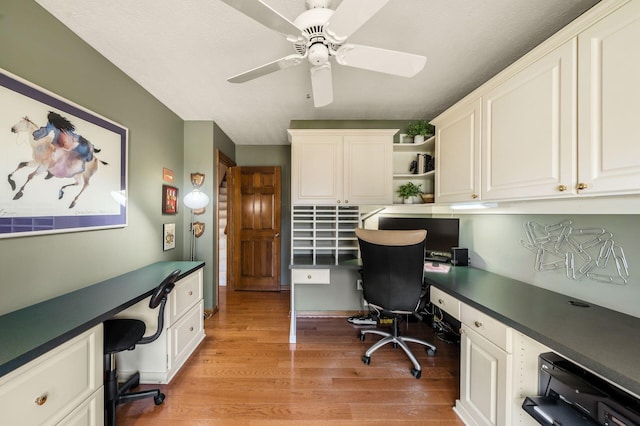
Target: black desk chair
{"type": "Point", "coordinates": [392, 273]}
{"type": "Point", "coordinates": [123, 334]}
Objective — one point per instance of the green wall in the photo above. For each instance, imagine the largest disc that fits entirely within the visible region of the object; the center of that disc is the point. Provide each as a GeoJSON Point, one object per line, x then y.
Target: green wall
{"type": "Point", "coordinates": [201, 139]}
{"type": "Point", "coordinates": [37, 47]}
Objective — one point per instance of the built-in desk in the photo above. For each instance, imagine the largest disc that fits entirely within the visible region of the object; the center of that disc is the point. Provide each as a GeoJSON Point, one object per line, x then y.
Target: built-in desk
{"type": "Point", "coordinates": [305, 272]}
{"type": "Point", "coordinates": [602, 340]}
{"type": "Point", "coordinates": [27, 333]}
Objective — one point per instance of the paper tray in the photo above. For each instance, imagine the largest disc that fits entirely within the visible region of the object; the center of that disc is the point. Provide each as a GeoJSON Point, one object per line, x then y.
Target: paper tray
{"type": "Point", "coordinates": [553, 411]}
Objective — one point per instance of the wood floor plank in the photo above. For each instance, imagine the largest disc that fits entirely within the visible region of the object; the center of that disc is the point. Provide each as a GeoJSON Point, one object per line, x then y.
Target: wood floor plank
{"type": "Point", "coordinates": [245, 372]}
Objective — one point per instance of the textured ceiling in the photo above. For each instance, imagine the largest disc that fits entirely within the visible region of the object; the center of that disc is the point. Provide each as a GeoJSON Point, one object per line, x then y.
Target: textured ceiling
{"type": "Point", "coordinates": [182, 52]}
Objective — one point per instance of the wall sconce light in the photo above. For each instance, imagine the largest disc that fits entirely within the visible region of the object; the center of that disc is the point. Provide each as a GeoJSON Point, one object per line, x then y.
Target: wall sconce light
{"type": "Point", "coordinates": [196, 200]}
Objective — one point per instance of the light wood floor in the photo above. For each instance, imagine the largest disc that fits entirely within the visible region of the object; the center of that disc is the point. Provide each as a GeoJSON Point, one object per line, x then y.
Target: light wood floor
{"type": "Point", "coordinates": [246, 373]}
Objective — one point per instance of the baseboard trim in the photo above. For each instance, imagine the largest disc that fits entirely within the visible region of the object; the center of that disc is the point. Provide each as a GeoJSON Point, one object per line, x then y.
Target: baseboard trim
{"type": "Point", "coordinates": [327, 314]}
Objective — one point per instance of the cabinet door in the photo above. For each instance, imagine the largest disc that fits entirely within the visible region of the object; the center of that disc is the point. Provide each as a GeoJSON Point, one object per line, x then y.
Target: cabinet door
{"type": "Point", "coordinates": [316, 169]}
{"type": "Point", "coordinates": [484, 370]}
{"type": "Point", "coordinates": [368, 174]}
{"type": "Point", "coordinates": [529, 130]}
{"type": "Point", "coordinates": [609, 103]}
{"type": "Point", "coordinates": [458, 155]}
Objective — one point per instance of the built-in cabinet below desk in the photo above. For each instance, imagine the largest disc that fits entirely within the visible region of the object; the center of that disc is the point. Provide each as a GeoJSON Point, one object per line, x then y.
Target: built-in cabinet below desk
{"type": "Point", "coordinates": [51, 353]}
{"type": "Point", "coordinates": [159, 361]}
{"type": "Point", "coordinates": [61, 387]}
{"type": "Point", "coordinates": [506, 324]}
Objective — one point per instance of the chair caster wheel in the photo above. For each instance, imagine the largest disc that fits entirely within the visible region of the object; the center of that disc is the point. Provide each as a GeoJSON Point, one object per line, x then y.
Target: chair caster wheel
{"type": "Point", "coordinates": [361, 336]}
{"type": "Point", "coordinates": [431, 352]}
{"type": "Point", "coordinates": [159, 399]}
{"type": "Point", "coordinates": [416, 373]}
{"type": "Point", "coordinates": [366, 360]}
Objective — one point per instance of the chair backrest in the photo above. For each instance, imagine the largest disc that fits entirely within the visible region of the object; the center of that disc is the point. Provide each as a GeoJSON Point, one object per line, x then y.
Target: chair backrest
{"type": "Point", "coordinates": [392, 267]}
{"type": "Point", "coordinates": [159, 298]}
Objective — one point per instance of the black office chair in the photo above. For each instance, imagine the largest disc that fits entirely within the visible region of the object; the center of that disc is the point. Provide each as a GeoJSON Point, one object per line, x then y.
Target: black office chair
{"type": "Point", "coordinates": [392, 273]}
{"type": "Point", "coordinates": [121, 334]}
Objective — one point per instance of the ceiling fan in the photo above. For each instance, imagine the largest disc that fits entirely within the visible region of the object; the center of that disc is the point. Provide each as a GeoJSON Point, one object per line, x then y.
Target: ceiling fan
{"type": "Point", "coordinates": [320, 33]}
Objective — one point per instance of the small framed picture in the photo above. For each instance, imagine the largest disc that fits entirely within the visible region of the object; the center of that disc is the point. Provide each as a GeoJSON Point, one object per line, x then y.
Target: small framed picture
{"type": "Point", "coordinates": [169, 199]}
{"type": "Point", "coordinates": [169, 236]}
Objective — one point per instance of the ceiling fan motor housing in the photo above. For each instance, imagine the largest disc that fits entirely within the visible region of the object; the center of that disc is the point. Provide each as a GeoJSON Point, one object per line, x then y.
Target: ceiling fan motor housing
{"type": "Point", "coordinates": [311, 22]}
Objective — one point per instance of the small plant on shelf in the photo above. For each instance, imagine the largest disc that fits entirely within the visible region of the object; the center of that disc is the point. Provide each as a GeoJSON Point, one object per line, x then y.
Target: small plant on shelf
{"type": "Point", "coordinates": [409, 190]}
{"type": "Point", "coordinates": [420, 130]}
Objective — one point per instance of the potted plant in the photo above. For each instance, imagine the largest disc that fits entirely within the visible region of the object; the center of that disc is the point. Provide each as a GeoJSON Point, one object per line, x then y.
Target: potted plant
{"type": "Point", "coordinates": [409, 190]}
{"type": "Point", "coordinates": [420, 130]}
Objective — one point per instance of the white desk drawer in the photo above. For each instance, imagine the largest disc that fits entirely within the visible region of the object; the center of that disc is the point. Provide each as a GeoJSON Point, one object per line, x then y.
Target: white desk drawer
{"type": "Point", "coordinates": [48, 388]}
{"type": "Point", "coordinates": [492, 329]}
{"type": "Point", "coordinates": [184, 332]}
{"type": "Point", "coordinates": [446, 302]}
{"type": "Point", "coordinates": [311, 276]}
{"type": "Point", "coordinates": [187, 293]}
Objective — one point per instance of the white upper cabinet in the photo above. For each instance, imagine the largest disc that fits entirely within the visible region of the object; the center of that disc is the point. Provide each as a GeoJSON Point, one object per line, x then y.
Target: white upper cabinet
{"type": "Point", "coordinates": [529, 130]}
{"type": "Point", "coordinates": [457, 155]}
{"type": "Point", "coordinates": [341, 167]}
{"type": "Point", "coordinates": [609, 104]}
{"type": "Point", "coordinates": [558, 123]}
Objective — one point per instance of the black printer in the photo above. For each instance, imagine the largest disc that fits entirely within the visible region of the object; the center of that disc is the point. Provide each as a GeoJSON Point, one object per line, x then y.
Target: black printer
{"type": "Point", "coordinates": [569, 395]}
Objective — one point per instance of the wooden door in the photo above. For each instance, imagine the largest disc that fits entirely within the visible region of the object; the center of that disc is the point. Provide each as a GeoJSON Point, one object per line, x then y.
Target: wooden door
{"type": "Point", "coordinates": [255, 228]}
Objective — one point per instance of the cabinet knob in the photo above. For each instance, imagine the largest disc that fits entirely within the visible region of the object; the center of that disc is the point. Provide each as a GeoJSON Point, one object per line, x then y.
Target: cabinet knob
{"type": "Point", "coordinates": [477, 324]}
{"type": "Point", "coordinates": [440, 301]}
{"type": "Point", "coordinates": [338, 201]}
{"type": "Point", "coordinates": [562, 188]}
{"type": "Point", "coordinates": [41, 399]}
{"type": "Point", "coordinates": [346, 201]}
{"type": "Point", "coordinates": [474, 196]}
{"type": "Point", "coordinates": [191, 328]}
{"type": "Point", "coordinates": [190, 293]}
{"type": "Point", "coordinates": [308, 277]}
{"type": "Point", "coordinates": [461, 331]}
{"type": "Point", "coordinates": [582, 185]}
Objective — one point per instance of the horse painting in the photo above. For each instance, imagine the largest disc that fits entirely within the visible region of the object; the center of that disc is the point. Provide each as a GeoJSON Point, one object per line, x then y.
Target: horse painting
{"type": "Point", "coordinates": [58, 150]}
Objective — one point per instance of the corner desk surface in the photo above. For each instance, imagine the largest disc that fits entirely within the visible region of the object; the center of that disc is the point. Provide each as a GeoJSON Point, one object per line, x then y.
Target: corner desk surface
{"type": "Point", "coordinates": [34, 330]}
{"type": "Point", "coordinates": [603, 340]}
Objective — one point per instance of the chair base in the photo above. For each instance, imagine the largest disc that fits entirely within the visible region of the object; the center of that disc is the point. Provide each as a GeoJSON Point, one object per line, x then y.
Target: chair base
{"type": "Point", "coordinates": [116, 394]}
{"type": "Point", "coordinates": [400, 341]}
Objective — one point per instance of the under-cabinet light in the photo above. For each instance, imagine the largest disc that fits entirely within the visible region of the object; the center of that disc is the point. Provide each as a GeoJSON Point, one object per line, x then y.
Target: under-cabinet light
{"type": "Point", "coordinates": [473, 206]}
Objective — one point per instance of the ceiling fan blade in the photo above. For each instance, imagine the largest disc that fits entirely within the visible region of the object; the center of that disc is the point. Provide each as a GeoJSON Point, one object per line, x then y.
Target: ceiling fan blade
{"type": "Point", "coordinates": [277, 65]}
{"type": "Point", "coordinates": [266, 16]}
{"type": "Point", "coordinates": [382, 60]}
{"type": "Point", "coordinates": [322, 85]}
{"type": "Point", "coordinates": [349, 16]}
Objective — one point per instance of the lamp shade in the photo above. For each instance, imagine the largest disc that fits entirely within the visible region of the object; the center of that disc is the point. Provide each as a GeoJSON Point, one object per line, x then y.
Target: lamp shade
{"type": "Point", "coordinates": [196, 199]}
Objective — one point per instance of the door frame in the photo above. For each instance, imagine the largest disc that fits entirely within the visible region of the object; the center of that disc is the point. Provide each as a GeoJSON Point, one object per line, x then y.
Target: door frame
{"type": "Point", "coordinates": [221, 159]}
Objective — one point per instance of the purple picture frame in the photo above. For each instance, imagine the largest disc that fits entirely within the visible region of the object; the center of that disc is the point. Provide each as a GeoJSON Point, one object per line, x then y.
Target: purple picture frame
{"type": "Point", "coordinates": [48, 193]}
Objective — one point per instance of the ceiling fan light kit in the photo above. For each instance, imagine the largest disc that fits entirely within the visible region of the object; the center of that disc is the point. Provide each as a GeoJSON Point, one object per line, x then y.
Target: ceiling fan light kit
{"type": "Point", "coordinates": [319, 33]}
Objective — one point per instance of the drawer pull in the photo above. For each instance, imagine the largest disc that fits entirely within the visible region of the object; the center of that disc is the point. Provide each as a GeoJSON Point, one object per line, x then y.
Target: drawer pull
{"type": "Point", "coordinates": [440, 301]}
{"type": "Point", "coordinates": [190, 293]}
{"type": "Point", "coordinates": [477, 324]}
{"type": "Point", "coordinates": [41, 399]}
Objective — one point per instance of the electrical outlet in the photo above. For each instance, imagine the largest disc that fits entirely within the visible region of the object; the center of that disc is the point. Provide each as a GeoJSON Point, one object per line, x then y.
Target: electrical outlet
{"type": "Point", "coordinates": [358, 284]}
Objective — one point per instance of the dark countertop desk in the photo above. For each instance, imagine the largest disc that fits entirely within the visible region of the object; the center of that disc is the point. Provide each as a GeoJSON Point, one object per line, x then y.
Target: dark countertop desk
{"type": "Point", "coordinates": [29, 332]}
{"type": "Point", "coordinates": [603, 340]}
